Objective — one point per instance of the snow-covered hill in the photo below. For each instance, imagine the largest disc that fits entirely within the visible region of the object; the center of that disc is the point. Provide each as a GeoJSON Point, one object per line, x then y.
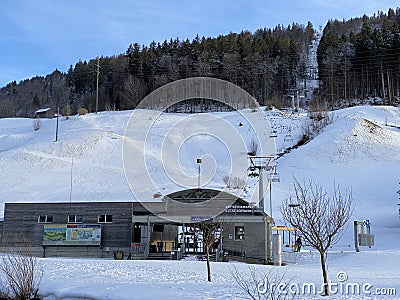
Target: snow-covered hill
{"type": "Point", "coordinates": [359, 150]}
{"type": "Point", "coordinates": [36, 168]}
{"type": "Point", "coordinates": [89, 157]}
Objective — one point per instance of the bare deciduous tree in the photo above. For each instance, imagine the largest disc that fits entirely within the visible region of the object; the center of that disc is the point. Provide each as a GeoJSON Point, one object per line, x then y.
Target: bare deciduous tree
{"type": "Point", "coordinates": [319, 217]}
{"type": "Point", "coordinates": [67, 111]}
{"type": "Point", "coordinates": [82, 111]}
{"type": "Point", "coordinates": [253, 106]}
{"type": "Point", "coordinates": [37, 123]}
{"type": "Point", "coordinates": [234, 182]}
{"type": "Point", "coordinates": [20, 271]}
{"type": "Point", "coordinates": [208, 229]}
{"type": "Point", "coordinates": [316, 123]}
{"type": "Point", "coordinates": [262, 285]}
{"type": "Point", "coordinates": [253, 147]}
{"type": "Point", "coordinates": [226, 180]}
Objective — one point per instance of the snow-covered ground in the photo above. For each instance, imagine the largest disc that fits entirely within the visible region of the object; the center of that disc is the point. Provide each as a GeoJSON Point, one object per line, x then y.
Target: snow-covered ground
{"type": "Point", "coordinates": [91, 148]}
{"type": "Point", "coordinates": [374, 272]}
{"type": "Point", "coordinates": [359, 150]}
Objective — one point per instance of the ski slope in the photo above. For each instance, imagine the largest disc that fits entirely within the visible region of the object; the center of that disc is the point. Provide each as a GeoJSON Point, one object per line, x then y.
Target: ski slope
{"type": "Point", "coordinates": [360, 150]}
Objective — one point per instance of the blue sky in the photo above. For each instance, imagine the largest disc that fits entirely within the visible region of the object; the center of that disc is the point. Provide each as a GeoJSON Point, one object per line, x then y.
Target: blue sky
{"type": "Point", "coordinates": [39, 36]}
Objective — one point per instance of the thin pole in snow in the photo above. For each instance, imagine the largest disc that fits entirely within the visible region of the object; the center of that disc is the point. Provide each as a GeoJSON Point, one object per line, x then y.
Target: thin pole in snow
{"type": "Point", "coordinates": [70, 189]}
{"type": "Point", "coordinates": [97, 84]}
{"type": "Point", "coordinates": [58, 113]}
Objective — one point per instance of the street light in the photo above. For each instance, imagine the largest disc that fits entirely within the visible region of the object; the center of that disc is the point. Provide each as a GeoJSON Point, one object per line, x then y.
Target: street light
{"type": "Point", "coordinates": [199, 164]}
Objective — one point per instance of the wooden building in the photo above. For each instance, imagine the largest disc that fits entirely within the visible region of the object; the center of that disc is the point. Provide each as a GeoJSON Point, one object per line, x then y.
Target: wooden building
{"type": "Point", "coordinates": [44, 113]}
{"type": "Point", "coordinates": [140, 230]}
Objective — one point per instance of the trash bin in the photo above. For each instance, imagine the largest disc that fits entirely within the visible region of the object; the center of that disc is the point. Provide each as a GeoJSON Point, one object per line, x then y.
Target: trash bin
{"type": "Point", "coordinates": [225, 256]}
{"type": "Point", "coordinates": [119, 254]}
{"type": "Point", "coordinates": [174, 255]}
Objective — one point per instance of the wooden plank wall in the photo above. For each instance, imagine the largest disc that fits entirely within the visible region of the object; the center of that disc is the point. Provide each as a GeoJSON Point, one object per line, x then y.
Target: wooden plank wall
{"type": "Point", "coordinates": [253, 245]}
{"type": "Point", "coordinates": [21, 220]}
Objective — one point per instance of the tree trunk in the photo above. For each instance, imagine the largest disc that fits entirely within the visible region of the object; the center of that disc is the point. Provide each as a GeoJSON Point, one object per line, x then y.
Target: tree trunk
{"type": "Point", "coordinates": [383, 83]}
{"type": "Point", "coordinates": [388, 85]}
{"type": "Point", "coordinates": [324, 274]}
{"type": "Point", "coordinates": [208, 264]}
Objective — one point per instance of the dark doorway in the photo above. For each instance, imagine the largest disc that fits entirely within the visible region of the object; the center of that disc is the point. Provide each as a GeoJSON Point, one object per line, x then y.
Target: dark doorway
{"type": "Point", "coordinates": [137, 233]}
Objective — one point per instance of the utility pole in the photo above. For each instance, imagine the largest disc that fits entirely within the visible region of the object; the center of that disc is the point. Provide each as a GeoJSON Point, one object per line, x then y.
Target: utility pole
{"type": "Point", "coordinates": [294, 94]}
{"type": "Point", "coordinates": [261, 187]}
{"type": "Point", "coordinates": [58, 113]}
{"type": "Point", "coordinates": [263, 163]}
{"type": "Point", "coordinates": [70, 187]}
{"type": "Point", "coordinates": [97, 84]}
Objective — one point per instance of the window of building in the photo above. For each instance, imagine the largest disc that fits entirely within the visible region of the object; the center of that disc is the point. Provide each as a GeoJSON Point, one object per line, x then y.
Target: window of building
{"type": "Point", "coordinates": [75, 219]}
{"type": "Point", "coordinates": [45, 219]}
{"type": "Point", "coordinates": [105, 219]}
{"type": "Point", "coordinates": [239, 232]}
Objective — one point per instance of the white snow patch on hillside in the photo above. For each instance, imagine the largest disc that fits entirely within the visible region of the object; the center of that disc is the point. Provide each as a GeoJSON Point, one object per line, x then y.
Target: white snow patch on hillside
{"type": "Point", "coordinates": [35, 168]}
{"type": "Point", "coordinates": [359, 150]}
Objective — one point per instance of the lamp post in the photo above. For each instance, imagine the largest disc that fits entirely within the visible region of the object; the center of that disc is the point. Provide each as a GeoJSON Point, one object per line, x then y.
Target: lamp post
{"type": "Point", "coordinates": [198, 179]}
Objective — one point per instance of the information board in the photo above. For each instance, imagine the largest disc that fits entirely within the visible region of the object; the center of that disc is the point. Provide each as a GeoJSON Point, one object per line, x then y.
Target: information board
{"type": "Point", "coordinates": [71, 234]}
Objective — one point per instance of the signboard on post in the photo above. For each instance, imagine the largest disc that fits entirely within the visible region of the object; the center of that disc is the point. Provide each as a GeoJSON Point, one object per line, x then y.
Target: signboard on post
{"type": "Point", "coordinates": [71, 234]}
{"type": "Point", "coordinates": [362, 234]}
{"type": "Point", "coordinates": [365, 239]}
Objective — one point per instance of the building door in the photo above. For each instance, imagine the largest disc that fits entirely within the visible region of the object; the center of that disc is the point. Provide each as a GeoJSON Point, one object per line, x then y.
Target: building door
{"type": "Point", "coordinates": [140, 237]}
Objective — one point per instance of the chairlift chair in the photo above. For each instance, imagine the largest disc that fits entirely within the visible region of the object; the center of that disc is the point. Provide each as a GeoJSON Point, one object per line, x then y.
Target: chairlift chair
{"type": "Point", "coordinates": [288, 138]}
{"type": "Point", "coordinates": [274, 177]}
{"type": "Point", "coordinates": [253, 174]}
{"type": "Point", "coordinates": [252, 168]}
{"type": "Point", "coordinates": [273, 134]}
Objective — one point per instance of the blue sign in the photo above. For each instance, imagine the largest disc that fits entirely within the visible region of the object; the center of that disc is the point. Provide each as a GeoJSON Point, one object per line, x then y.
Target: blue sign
{"type": "Point", "coordinates": [199, 218]}
{"type": "Point", "coordinates": [367, 224]}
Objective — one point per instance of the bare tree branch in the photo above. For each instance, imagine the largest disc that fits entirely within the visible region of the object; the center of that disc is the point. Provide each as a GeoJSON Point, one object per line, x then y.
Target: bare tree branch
{"type": "Point", "coordinates": [262, 285]}
{"type": "Point", "coordinates": [208, 229]}
{"type": "Point", "coordinates": [20, 270]}
{"type": "Point", "coordinates": [320, 217]}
